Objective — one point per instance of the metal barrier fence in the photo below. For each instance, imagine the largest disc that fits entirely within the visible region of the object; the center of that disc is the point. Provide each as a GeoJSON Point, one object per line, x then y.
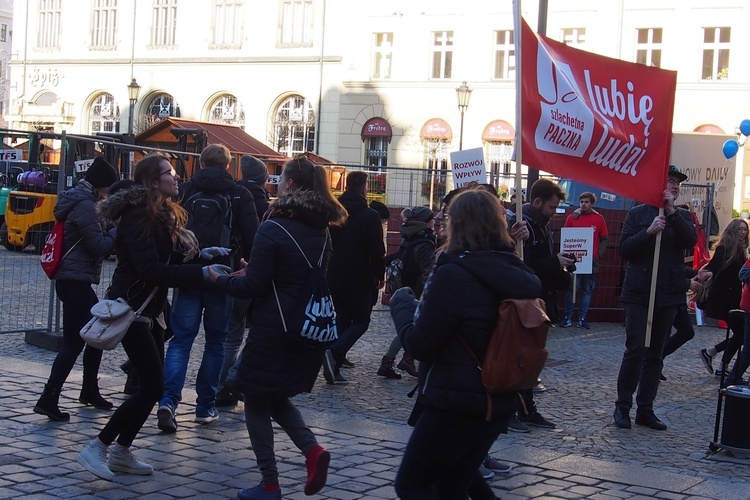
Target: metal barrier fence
{"type": "Point", "coordinates": [29, 302]}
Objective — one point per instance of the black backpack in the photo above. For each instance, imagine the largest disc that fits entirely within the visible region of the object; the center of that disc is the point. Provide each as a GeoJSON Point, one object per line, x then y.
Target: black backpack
{"type": "Point", "coordinates": [311, 323]}
{"type": "Point", "coordinates": [210, 218]}
{"type": "Point", "coordinates": [404, 269]}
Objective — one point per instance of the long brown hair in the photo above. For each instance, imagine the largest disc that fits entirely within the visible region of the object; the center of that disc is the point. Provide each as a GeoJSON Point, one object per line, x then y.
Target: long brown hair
{"type": "Point", "coordinates": [476, 221]}
{"type": "Point", "coordinates": [310, 177]}
{"type": "Point", "coordinates": [160, 210]}
{"type": "Point", "coordinates": [735, 245]}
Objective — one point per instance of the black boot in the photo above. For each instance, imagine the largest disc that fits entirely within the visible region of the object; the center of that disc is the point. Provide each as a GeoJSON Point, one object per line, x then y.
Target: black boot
{"type": "Point", "coordinates": [90, 396]}
{"type": "Point", "coordinates": [47, 405]}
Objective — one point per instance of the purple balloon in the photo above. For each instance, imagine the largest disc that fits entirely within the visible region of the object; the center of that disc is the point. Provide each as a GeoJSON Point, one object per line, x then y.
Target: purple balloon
{"type": "Point", "coordinates": [730, 148]}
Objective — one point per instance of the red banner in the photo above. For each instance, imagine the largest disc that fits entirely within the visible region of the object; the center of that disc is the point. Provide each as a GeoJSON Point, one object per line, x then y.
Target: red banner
{"type": "Point", "coordinates": [594, 119]}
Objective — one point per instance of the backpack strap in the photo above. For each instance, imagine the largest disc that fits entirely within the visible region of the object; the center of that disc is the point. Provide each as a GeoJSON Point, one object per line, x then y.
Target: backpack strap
{"type": "Point", "coordinates": [273, 282]}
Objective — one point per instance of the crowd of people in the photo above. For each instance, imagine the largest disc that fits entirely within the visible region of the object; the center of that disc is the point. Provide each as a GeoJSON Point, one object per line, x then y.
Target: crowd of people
{"type": "Point", "coordinates": [239, 263]}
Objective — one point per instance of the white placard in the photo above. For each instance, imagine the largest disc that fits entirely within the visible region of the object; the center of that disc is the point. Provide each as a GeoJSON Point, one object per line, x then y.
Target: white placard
{"type": "Point", "coordinates": [468, 165]}
{"type": "Point", "coordinates": [580, 242]}
{"type": "Point", "coordinates": [83, 165]}
{"type": "Point", "coordinates": [274, 180]}
{"type": "Point", "coordinates": [11, 155]}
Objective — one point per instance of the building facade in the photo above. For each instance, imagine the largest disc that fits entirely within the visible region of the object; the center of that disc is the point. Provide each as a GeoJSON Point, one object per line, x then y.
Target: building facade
{"type": "Point", "coordinates": [366, 83]}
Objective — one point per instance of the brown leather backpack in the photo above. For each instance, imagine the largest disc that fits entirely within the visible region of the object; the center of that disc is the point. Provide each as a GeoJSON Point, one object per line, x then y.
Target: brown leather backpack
{"type": "Point", "coordinates": [516, 351]}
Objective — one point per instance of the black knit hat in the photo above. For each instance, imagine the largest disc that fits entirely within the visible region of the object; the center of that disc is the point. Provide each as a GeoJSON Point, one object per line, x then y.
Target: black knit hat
{"type": "Point", "coordinates": [253, 169]}
{"type": "Point", "coordinates": [101, 174]}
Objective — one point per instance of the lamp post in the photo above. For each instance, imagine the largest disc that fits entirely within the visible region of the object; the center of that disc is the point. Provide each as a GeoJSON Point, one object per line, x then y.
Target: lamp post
{"type": "Point", "coordinates": [133, 91]}
{"type": "Point", "coordinates": [464, 94]}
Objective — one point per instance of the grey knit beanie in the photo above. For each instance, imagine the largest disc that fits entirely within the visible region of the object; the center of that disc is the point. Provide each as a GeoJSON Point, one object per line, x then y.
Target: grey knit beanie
{"type": "Point", "coordinates": [253, 169]}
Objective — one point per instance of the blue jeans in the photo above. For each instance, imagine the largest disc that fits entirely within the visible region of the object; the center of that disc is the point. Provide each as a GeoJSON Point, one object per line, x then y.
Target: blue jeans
{"type": "Point", "coordinates": [237, 324]}
{"type": "Point", "coordinates": [586, 283]}
{"type": "Point", "coordinates": [188, 306]}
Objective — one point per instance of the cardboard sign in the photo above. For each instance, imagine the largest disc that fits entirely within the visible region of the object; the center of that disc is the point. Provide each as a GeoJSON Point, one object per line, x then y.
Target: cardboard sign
{"type": "Point", "coordinates": [468, 165]}
{"type": "Point", "coordinates": [580, 242]}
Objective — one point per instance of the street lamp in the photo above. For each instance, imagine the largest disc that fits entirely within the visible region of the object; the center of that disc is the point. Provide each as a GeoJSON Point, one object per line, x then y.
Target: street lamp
{"type": "Point", "coordinates": [464, 94]}
{"type": "Point", "coordinates": [133, 91]}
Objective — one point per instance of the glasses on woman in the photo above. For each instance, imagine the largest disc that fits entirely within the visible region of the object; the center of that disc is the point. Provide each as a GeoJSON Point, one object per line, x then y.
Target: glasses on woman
{"type": "Point", "coordinates": [170, 172]}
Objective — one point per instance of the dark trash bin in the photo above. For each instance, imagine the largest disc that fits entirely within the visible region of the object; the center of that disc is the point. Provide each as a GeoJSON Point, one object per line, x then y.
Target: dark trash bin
{"type": "Point", "coordinates": [735, 431]}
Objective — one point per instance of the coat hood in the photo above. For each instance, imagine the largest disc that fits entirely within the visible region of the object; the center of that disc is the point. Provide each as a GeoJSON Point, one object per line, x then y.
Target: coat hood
{"type": "Point", "coordinates": [306, 206]}
{"type": "Point", "coordinates": [212, 180]}
{"type": "Point", "coordinates": [72, 197]}
{"type": "Point", "coordinates": [114, 206]}
{"type": "Point", "coordinates": [503, 272]}
{"type": "Point", "coordinates": [416, 229]}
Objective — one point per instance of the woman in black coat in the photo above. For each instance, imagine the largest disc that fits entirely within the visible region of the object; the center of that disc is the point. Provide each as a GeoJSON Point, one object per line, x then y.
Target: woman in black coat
{"type": "Point", "coordinates": [151, 226]}
{"type": "Point", "coordinates": [457, 312]}
{"type": "Point", "coordinates": [726, 289]}
{"type": "Point", "coordinates": [274, 369]}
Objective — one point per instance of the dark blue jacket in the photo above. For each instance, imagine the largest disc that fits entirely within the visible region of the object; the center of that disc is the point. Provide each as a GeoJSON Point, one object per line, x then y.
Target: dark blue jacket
{"type": "Point", "coordinates": [637, 247]}
{"type": "Point", "coordinates": [85, 230]}
{"type": "Point", "coordinates": [271, 365]}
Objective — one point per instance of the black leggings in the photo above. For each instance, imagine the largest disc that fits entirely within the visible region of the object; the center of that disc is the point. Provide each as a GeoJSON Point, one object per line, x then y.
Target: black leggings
{"type": "Point", "coordinates": [144, 348]}
{"type": "Point", "coordinates": [77, 298]}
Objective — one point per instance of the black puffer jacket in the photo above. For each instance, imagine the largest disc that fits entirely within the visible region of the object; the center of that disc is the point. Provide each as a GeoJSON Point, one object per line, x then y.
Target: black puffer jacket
{"type": "Point", "coordinates": [84, 230]}
{"type": "Point", "coordinates": [142, 261]}
{"type": "Point", "coordinates": [270, 365]}
{"type": "Point", "coordinates": [637, 247]}
{"type": "Point", "coordinates": [358, 260]}
{"type": "Point", "coordinates": [461, 300]}
{"type": "Point", "coordinates": [244, 215]}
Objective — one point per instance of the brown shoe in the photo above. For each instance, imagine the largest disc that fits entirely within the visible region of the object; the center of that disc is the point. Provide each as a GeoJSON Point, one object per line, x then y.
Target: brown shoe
{"type": "Point", "coordinates": [386, 368]}
{"type": "Point", "coordinates": [407, 364]}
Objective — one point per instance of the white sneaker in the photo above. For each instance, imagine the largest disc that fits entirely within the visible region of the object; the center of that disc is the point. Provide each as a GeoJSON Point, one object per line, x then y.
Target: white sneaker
{"type": "Point", "coordinates": [93, 458]}
{"type": "Point", "coordinates": [121, 459]}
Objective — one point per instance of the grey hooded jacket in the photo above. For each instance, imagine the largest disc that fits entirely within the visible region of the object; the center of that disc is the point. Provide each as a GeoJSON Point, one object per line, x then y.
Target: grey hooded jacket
{"type": "Point", "coordinates": [85, 230]}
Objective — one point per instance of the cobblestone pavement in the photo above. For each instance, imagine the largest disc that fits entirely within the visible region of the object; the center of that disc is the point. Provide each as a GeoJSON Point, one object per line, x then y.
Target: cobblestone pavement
{"type": "Point", "coordinates": [362, 424]}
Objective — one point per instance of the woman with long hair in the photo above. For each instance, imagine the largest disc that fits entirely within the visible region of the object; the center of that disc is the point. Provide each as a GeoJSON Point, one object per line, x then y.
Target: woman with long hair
{"type": "Point", "coordinates": [151, 243]}
{"type": "Point", "coordinates": [272, 370]}
{"type": "Point", "coordinates": [726, 289]}
{"type": "Point", "coordinates": [447, 331]}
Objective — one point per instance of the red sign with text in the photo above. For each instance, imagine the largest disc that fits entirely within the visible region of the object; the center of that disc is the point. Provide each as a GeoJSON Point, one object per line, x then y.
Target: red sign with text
{"type": "Point", "coordinates": [595, 119]}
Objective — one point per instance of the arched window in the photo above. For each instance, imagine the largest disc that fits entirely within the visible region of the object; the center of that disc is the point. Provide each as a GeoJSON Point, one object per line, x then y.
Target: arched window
{"type": "Point", "coordinates": [104, 114]}
{"type": "Point", "coordinates": [294, 126]}
{"type": "Point", "coordinates": [228, 110]}
{"type": "Point", "coordinates": [160, 106]}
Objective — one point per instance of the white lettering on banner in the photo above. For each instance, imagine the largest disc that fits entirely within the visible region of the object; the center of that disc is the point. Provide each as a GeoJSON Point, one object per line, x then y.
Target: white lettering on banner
{"type": "Point", "coordinates": [608, 103]}
{"type": "Point", "coordinates": [614, 104]}
{"type": "Point", "coordinates": [566, 123]}
{"type": "Point", "coordinates": [614, 152]}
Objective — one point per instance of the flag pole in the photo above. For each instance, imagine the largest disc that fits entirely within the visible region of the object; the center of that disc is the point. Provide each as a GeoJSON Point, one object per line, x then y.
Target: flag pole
{"type": "Point", "coordinates": [652, 293]}
{"type": "Point", "coordinates": [517, 32]}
